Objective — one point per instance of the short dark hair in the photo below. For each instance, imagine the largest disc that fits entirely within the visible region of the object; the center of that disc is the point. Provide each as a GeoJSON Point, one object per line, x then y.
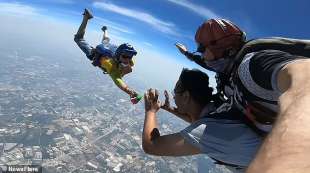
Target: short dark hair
{"type": "Point", "coordinates": [196, 83]}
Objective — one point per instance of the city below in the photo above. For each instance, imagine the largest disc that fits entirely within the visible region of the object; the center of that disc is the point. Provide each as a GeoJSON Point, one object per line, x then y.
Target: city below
{"type": "Point", "coordinates": [70, 120]}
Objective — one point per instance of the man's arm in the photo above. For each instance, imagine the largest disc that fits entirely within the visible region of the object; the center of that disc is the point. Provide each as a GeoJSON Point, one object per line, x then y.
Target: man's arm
{"type": "Point", "coordinates": [116, 76]}
{"type": "Point", "coordinates": [286, 149]}
{"type": "Point", "coordinates": [191, 56]}
{"type": "Point", "coordinates": [176, 112]}
{"type": "Point", "coordinates": [197, 59]}
{"type": "Point", "coordinates": [152, 142]}
{"type": "Point", "coordinates": [121, 84]}
{"type": "Point", "coordinates": [166, 106]}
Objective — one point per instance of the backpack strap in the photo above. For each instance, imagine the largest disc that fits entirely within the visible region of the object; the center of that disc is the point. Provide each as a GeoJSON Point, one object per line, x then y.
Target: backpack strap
{"type": "Point", "coordinates": [259, 94]}
{"type": "Point", "coordinates": [248, 82]}
{"type": "Point", "coordinates": [293, 46]}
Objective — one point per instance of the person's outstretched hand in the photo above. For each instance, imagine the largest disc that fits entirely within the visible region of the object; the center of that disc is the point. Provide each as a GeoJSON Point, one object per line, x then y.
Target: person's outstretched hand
{"type": "Point", "coordinates": [182, 48]}
{"type": "Point", "coordinates": [135, 100]}
{"type": "Point", "coordinates": [152, 104]}
{"type": "Point", "coordinates": [132, 93]}
{"type": "Point", "coordinates": [166, 104]}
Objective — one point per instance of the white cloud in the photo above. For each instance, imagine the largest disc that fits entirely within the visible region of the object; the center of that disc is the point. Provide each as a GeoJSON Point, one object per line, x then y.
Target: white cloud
{"type": "Point", "coordinates": [163, 26]}
{"type": "Point", "coordinates": [148, 44]}
{"type": "Point", "coordinates": [198, 9]}
{"type": "Point", "coordinates": [32, 12]}
{"type": "Point", "coordinates": [62, 1]}
{"type": "Point", "coordinates": [18, 9]}
{"type": "Point", "coordinates": [114, 25]}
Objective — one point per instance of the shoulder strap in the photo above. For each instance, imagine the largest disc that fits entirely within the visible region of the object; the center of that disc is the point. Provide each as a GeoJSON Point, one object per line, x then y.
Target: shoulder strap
{"type": "Point", "coordinates": [245, 78]}
{"type": "Point", "coordinates": [289, 45]}
{"type": "Point", "coordinates": [293, 46]}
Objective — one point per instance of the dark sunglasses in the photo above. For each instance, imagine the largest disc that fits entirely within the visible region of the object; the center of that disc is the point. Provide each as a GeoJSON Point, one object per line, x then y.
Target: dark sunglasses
{"type": "Point", "coordinates": [179, 89]}
{"type": "Point", "coordinates": [201, 48]}
{"type": "Point", "coordinates": [126, 56]}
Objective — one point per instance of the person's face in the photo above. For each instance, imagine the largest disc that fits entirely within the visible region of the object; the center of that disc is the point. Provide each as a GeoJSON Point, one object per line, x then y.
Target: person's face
{"type": "Point", "coordinates": [125, 59]}
{"type": "Point", "coordinates": [208, 55]}
{"type": "Point", "coordinates": [205, 52]}
{"type": "Point", "coordinates": [179, 97]}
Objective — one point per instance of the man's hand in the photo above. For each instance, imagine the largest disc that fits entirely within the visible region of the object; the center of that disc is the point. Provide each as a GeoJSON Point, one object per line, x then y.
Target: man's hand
{"type": "Point", "coordinates": [132, 93]}
{"type": "Point", "coordinates": [182, 48]}
{"type": "Point", "coordinates": [152, 104]}
{"type": "Point", "coordinates": [166, 104]}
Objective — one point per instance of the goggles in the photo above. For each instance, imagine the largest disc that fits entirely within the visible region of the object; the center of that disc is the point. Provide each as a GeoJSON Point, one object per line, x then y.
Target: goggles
{"type": "Point", "coordinates": [125, 56]}
{"type": "Point", "coordinates": [201, 48]}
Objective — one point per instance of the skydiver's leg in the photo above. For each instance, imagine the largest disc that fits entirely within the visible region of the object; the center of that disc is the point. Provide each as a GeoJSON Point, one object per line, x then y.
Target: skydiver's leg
{"type": "Point", "coordinates": [86, 16]}
{"type": "Point", "coordinates": [79, 36]}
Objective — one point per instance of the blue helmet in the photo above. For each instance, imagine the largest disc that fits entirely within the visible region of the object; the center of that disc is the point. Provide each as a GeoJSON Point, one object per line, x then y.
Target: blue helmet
{"type": "Point", "coordinates": [126, 49]}
{"type": "Point", "coordinates": [103, 51]}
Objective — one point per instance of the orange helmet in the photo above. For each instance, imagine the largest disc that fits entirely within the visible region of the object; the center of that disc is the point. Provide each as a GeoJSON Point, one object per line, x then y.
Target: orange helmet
{"type": "Point", "coordinates": [220, 36]}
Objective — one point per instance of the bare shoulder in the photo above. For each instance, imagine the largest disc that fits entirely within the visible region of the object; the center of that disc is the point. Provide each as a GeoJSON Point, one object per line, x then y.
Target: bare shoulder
{"type": "Point", "coordinates": [297, 64]}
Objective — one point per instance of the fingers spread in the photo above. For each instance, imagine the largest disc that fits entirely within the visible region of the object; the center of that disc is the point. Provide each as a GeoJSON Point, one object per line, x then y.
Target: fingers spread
{"type": "Point", "coordinates": [146, 97]}
{"type": "Point", "coordinates": [153, 96]}
{"type": "Point", "coordinates": [150, 95]}
{"type": "Point", "coordinates": [166, 94]}
{"type": "Point", "coordinates": [156, 95]}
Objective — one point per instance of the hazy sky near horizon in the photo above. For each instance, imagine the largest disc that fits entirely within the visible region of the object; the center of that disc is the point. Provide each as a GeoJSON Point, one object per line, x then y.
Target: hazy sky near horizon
{"type": "Point", "coordinates": [152, 26]}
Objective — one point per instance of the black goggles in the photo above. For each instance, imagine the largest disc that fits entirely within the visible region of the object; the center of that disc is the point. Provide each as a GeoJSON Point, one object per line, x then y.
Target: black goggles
{"type": "Point", "coordinates": [126, 56]}
{"type": "Point", "coordinates": [178, 91]}
{"type": "Point", "coordinates": [201, 48]}
{"type": "Point", "coordinates": [179, 88]}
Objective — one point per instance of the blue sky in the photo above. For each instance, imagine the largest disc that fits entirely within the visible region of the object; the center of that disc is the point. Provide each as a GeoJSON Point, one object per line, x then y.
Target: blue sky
{"type": "Point", "coordinates": [160, 23]}
{"type": "Point", "coordinates": [155, 25]}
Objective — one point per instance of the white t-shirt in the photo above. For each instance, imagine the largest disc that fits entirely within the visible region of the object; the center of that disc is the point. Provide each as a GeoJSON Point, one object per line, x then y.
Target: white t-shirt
{"type": "Point", "coordinates": [229, 141]}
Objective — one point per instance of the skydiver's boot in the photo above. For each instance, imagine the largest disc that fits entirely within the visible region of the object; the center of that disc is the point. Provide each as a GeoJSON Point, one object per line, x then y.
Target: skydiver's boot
{"type": "Point", "coordinates": [81, 31]}
{"type": "Point", "coordinates": [105, 38]}
{"type": "Point", "coordinates": [87, 13]}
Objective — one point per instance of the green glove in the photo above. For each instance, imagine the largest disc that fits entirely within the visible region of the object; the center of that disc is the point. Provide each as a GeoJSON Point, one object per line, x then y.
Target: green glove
{"type": "Point", "coordinates": [136, 99]}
